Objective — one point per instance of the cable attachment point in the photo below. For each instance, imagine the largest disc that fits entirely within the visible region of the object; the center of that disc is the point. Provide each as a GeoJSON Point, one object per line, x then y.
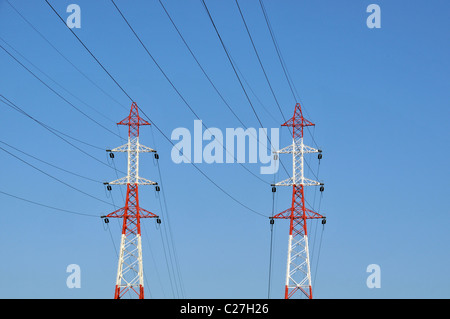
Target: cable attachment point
{"type": "Point", "coordinates": [106, 220]}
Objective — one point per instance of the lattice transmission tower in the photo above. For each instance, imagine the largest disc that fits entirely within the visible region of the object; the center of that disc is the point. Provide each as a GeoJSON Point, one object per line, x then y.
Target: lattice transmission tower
{"type": "Point", "coordinates": [130, 276]}
{"type": "Point", "coordinates": [298, 272]}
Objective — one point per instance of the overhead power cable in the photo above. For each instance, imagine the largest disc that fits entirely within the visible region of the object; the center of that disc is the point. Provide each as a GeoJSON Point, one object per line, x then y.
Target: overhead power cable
{"type": "Point", "coordinates": [164, 201]}
{"type": "Point", "coordinates": [50, 164]}
{"type": "Point", "coordinates": [48, 206]}
{"type": "Point", "coordinates": [206, 74]}
{"type": "Point", "coordinates": [58, 84]}
{"type": "Point", "coordinates": [55, 92]}
{"type": "Point", "coordinates": [288, 77]}
{"type": "Point", "coordinates": [231, 62]}
{"type": "Point", "coordinates": [140, 109]}
{"type": "Point", "coordinates": [237, 75]}
{"type": "Point", "coordinates": [272, 35]}
{"type": "Point", "coordinates": [175, 88]}
{"type": "Point", "coordinates": [53, 177]}
{"type": "Point", "coordinates": [64, 57]}
{"type": "Point", "coordinates": [87, 49]}
{"type": "Point", "coordinates": [52, 130]}
{"type": "Point", "coordinates": [291, 84]}
{"type": "Point", "coordinates": [259, 60]}
{"type": "Point", "coordinates": [200, 66]}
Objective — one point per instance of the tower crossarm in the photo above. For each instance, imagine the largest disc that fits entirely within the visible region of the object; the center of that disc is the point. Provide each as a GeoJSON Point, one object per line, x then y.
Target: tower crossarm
{"type": "Point", "coordinates": [143, 213]}
{"type": "Point", "coordinates": [310, 182]}
{"type": "Point", "coordinates": [139, 148]}
{"type": "Point", "coordinates": [306, 182]}
{"type": "Point", "coordinates": [145, 149]}
{"type": "Point", "coordinates": [146, 214]}
{"type": "Point", "coordinates": [309, 214]}
{"type": "Point", "coordinates": [297, 148]}
{"type": "Point", "coordinates": [139, 181]}
{"type": "Point", "coordinates": [308, 149]}
{"type": "Point", "coordinates": [120, 181]}
{"type": "Point", "coordinates": [144, 181]}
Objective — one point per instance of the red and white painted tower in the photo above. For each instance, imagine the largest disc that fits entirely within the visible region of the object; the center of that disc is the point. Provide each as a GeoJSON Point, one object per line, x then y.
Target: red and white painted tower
{"type": "Point", "coordinates": [130, 276]}
{"type": "Point", "coordinates": [298, 273]}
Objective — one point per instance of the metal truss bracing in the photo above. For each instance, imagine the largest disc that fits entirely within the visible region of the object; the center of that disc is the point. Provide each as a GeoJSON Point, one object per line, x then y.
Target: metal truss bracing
{"type": "Point", "coordinates": [298, 272]}
{"type": "Point", "coordinates": [130, 276]}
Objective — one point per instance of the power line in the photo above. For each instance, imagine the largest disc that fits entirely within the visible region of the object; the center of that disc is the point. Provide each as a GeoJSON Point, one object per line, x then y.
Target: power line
{"type": "Point", "coordinates": [47, 206]}
{"type": "Point", "coordinates": [231, 62]}
{"type": "Point", "coordinates": [291, 84]}
{"type": "Point", "coordinates": [236, 73]}
{"type": "Point", "coordinates": [162, 133]}
{"type": "Point", "coordinates": [174, 87]}
{"type": "Point", "coordinates": [58, 84]}
{"type": "Point", "coordinates": [200, 66]}
{"type": "Point", "coordinates": [318, 255]}
{"type": "Point", "coordinates": [209, 79]}
{"type": "Point", "coordinates": [285, 71]}
{"type": "Point", "coordinates": [53, 177]}
{"type": "Point", "coordinates": [177, 266]}
{"type": "Point", "coordinates": [51, 130]}
{"type": "Point", "coordinates": [253, 92]}
{"type": "Point", "coordinates": [55, 92]}
{"type": "Point", "coordinates": [205, 73]}
{"type": "Point", "coordinates": [259, 60]}
{"type": "Point", "coordinates": [277, 48]}
{"type": "Point", "coordinates": [63, 56]}
{"type": "Point", "coordinates": [87, 49]}
{"type": "Point", "coordinates": [293, 88]}
{"type": "Point", "coordinates": [50, 164]}
{"type": "Point", "coordinates": [271, 244]}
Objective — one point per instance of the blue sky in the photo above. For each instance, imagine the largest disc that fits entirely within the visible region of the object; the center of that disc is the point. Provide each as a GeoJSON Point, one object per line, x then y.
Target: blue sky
{"type": "Point", "coordinates": [379, 98]}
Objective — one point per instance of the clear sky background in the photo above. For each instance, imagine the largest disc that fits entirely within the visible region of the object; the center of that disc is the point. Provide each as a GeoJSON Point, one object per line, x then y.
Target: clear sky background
{"type": "Point", "coordinates": [379, 98]}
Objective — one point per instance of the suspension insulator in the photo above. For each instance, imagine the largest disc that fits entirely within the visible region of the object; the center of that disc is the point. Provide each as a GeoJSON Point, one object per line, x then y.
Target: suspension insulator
{"type": "Point", "coordinates": [106, 220]}
{"type": "Point", "coordinates": [272, 221]}
{"type": "Point", "coordinates": [109, 187]}
{"type": "Point", "coordinates": [111, 155]}
{"type": "Point", "coordinates": [319, 156]}
{"type": "Point", "coordinates": [157, 188]}
{"type": "Point", "coordinates": [158, 221]}
{"type": "Point", "coordinates": [324, 221]}
{"type": "Point", "coordinates": [275, 157]}
{"type": "Point", "coordinates": [156, 156]}
{"type": "Point", "coordinates": [274, 189]}
{"type": "Point", "coordinates": [322, 188]}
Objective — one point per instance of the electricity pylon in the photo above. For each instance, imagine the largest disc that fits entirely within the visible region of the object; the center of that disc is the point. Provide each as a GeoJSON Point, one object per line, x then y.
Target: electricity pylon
{"type": "Point", "coordinates": [130, 277]}
{"type": "Point", "coordinates": [298, 272]}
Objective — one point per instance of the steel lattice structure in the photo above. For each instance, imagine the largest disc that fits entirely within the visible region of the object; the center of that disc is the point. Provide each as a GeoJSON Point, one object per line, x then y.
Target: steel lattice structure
{"type": "Point", "coordinates": [130, 277]}
{"type": "Point", "coordinates": [298, 272]}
